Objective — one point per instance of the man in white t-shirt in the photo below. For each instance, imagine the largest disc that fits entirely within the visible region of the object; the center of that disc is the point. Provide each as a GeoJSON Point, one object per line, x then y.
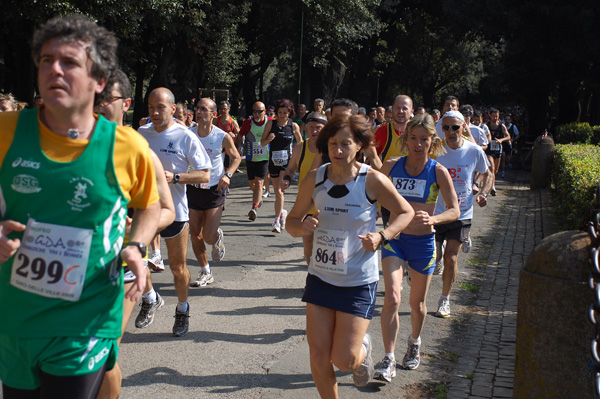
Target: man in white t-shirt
{"type": "Point", "coordinates": [185, 162]}
{"type": "Point", "coordinates": [462, 159]}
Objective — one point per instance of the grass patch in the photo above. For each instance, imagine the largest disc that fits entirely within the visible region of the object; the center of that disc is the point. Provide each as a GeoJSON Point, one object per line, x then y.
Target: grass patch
{"type": "Point", "coordinates": [450, 356]}
{"type": "Point", "coordinates": [477, 260]}
{"type": "Point", "coordinates": [440, 391]}
{"type": "Point", "coordinates": [470, 376]}
{"type": "Point", "coordinates": [468, 287]}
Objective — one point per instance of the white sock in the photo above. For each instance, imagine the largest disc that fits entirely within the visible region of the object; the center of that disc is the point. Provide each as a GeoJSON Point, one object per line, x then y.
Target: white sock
{"type": "Point", "coordinates": [416, 341]}
{"type": "Point", "coordinates": [156, 253]}
{"type": "Point", "coordinates": [445, 297]}
{"type": "Point", "coordinates": [391, 355]}
{"type": "Point", "coordinates": [151, 296]}
{"type": "Point", "coordinates": [205, 269]}
{"type": "Point", "coordinates": [182, 307]}
{"type": "Point", "coordinates": [277, 219]}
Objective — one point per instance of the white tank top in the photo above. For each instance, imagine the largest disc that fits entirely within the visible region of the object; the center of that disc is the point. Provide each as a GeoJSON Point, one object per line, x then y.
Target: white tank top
{"type": "Point", "coordinates": [338, 256]}
{"type": "Point", "coordinates": [213, 144]}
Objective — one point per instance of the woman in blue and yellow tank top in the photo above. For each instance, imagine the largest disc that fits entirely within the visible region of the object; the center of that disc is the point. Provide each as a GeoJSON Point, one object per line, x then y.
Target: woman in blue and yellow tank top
{"type": "Point", "coordinates": [419, 179]}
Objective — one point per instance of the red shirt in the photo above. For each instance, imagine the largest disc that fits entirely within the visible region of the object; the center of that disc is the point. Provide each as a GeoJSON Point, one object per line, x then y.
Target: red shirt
{"type": "Point", "coordinates": [381, 136]}
{"type": "Point", "coordinates": [247, 124]}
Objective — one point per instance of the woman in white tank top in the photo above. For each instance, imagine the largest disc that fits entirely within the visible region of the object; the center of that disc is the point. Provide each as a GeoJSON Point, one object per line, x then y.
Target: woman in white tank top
{"type": "Point", "coordinates": [343, 271]}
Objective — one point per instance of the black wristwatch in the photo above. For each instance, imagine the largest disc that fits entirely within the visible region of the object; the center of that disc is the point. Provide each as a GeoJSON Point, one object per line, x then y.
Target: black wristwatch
{"type": "Point", "coordinates": [141, 246]}
{"type": "Point", "coordinates": [384, 240]}
{"type": "Point", "coordinates": [176, 178]}
{"type": "Point", "coordinates": [228, 175]}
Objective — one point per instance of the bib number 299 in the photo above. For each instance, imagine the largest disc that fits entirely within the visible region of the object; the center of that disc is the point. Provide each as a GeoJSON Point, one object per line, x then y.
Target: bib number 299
{"type": "Point", "coordinates": [37, 269]}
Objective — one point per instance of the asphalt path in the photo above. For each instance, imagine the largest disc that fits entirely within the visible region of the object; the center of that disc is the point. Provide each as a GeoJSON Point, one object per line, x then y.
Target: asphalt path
{"type": "Point", "coordinates": [247, 329]}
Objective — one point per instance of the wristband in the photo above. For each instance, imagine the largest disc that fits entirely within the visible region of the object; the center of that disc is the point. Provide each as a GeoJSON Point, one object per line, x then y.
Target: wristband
{"type": "Point", "coordinates": [287, 178]}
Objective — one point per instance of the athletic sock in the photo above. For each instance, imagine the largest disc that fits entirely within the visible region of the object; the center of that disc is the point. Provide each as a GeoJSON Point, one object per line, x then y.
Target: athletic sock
{"type": "Point", "coordinates": [182, 307]}
{"type": "Point", "coordinates": [446, 297]}
{"type": "Point", "coordinates": [205, 268]}
{"type": "Point", "coordinates": [391, 355]}
{"type": "Point", "coordinates": [254, 206]}
{"type": "Point", "coordinates": [416, 341]}
{"type": "Point", "coordinates": [151, 296]}
{"type": "Point", "coordinates": [155, 253]}
{"type": "Point", "coordinates": [277, 219]}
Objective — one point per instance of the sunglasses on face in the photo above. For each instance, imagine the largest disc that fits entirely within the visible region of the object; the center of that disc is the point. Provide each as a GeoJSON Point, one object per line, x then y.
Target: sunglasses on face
{"type": "Point", "coordinates": [203, 109]}
{"type": "Point", "coordinates": [258, 111]}
{"type": "Point", "coordinates": [453, 127]}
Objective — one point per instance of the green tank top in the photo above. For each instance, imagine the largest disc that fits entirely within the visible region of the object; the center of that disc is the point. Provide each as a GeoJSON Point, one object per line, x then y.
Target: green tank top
{"type": "Point", "coordinates": [65, 280]}
{"type": "Point", "coordinates": [254, 151]}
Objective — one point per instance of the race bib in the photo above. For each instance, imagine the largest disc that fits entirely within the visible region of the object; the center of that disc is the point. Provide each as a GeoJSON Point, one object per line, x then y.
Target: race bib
{"type": "Point", "coordinates": [330, 251]}
{"type": "Point", "coordinates": [495, 146]}
{"type": "Point", "coordinates": [259, 150]}
{"type": "Point", "coordinates": [52, 260]}
{"type": "Point", "coordinates": [410, 187]}
{"type": "Point", "coordinates": [280, 158]}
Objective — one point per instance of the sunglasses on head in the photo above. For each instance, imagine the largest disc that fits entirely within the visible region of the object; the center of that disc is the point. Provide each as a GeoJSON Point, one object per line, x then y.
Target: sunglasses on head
{"type": "Point", "coordinates": [453, 127]}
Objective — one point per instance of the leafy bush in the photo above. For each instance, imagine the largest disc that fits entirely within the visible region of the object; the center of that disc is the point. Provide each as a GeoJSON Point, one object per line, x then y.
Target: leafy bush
{"type": "Point", "coordinates": [595, 135]}
{"type": "Point", "coordinates": [575, 133]}
{"type": "Point", "coordinates": [576, 175]}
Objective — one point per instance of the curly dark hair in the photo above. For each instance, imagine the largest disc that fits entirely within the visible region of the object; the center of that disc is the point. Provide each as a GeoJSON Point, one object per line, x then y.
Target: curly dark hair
{"type": "Point", "coordinates": [361, 131]}
{"type": "Point", "coordinates": [101, 44]}
{"type": "Point", "coordinates": [288, 104]}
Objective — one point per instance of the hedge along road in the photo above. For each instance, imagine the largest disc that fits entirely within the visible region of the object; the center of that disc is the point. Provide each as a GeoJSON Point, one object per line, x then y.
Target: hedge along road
{"type": "Point", "coordinates": [247, 329]}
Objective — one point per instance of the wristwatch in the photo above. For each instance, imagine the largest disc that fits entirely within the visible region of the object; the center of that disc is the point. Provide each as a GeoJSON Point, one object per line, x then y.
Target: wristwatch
{"type": "Point", "coordinates": [141, 246]}
{"type": "Point", "coordinates": [384, 240]}
{"type": "Point", "coordinates": [484, 195]}
{"type": "Point", "coordinates": [228, 174]}
{"type": "Point", "coordinates": [176, 178]}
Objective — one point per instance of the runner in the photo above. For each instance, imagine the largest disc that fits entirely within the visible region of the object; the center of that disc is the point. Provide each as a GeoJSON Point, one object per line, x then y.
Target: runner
{"type": "Point", "coordinates": [113, 104]}
{"type": "Point", "coordinates": [66, 178]}
{"type": "Point", "coordinates": [344, 269]}
{"type": "Point", "coordinates": [499, 135]}
{"type": "Point", "coordinates": [302, 161]}
{"type": "Point", "coordinates": [279, 135]}
{"type": "Point", "coordinates": [185, 162]}
{"type": "Point", "coordinates": [419, 179]}
{"type": "Point", "coordinates": [206, 200]}
{"type": "Point", "coordinates": [462, 159]}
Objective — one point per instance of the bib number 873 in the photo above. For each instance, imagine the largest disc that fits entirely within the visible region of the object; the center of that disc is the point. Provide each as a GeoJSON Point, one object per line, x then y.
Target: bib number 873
{"type": "Point", "coordinates": [39, 270]}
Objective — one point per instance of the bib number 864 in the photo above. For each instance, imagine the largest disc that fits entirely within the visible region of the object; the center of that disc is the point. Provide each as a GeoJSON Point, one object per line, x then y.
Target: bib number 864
{"type": "Point", "coordinates": [323, 257]}
{"type": "Point", "coordinates": [39, 270]}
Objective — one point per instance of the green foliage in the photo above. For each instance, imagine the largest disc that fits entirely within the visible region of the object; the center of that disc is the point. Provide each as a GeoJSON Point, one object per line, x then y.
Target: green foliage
{"type": "Point", "coordinates": [573, 133]}
{"type": "Point", "coordinates": [595, 135]}
{"type": "Point", "coordinates": [468, 287]}
{"type": "Point", "coordinates": [575, 175]}
{"type": "Point", "coordinates": [440, 391]}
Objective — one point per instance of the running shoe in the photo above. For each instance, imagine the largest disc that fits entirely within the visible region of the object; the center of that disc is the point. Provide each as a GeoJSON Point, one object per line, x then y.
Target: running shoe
{"type": "Point", "coordinates": [443, 308]}
{"type": "Point", "coordinates": [412, 358]}
{"type": "Point", "coordinates": [439, 267]}
{"type": "Point", "coordinates": [466, 248]}
{"type": "Point", "coordinates": [155, 263]}
{"type": "Point", "coordinates": [385, 369]}
{"type": "Point", "coordinates": [252, 214]}
{"type": "Point", "coordinates": [276, 226]}
{"type": "Point", "coordinates": [282, 219]}
{"type": "Point", "coordinates": [204, 278]}
{"type": "Point", "coordinates": [363, 373]}
{"type": "Point", "coordinates": [147, 311]}
{"type": "Point", "coordinates": [493, 191]}
{"type": "Point", "coordinates": [218, 249]}
{"type": "Point", "coordinates": [182, 323]}
{"type": "Point", "coordinates": [266, 194]}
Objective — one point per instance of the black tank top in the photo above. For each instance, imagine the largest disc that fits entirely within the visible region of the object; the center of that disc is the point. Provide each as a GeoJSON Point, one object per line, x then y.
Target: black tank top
{"type": "Point", "coordinates": [284, 136]}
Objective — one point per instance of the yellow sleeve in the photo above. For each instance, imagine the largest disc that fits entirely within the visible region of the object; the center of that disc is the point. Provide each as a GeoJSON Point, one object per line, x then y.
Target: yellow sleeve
{"type": "Point", "coordinates": [8, 125]}
{"type": "Point", "coordinates": [135, 169]}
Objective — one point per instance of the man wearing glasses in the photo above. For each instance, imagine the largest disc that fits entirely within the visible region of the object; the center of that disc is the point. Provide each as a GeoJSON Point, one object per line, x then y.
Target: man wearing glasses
{"type": "Point", "coordinates": [257, 156]}
{"type": "Point", "coordinates": [462, 159]}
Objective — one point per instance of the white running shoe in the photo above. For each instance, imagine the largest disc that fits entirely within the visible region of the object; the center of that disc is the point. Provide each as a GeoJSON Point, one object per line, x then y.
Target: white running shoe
{"type": "Point", "coordinates": [385, 370]}
{"type": "Point", "coordinates": [204, 278]}
{"type": "Point", "coordinates": [466, 248]}
{"type": "Point", "coordinates": [218, 249]}
{"type": "Point", "coordinates": [364, 373]}
{"type": "Point", "coordinates": [155, 263]}
{"type": "Point", "coordinates": [266, 194]}
{"type": "Point", "coordinates": [443, 308]}
{"type": "Point", "coordinates": [252, 214]}
{"type": "Point", "coordinates": [282, 219]}
{"type": "Point", "coordinates": [412, 358]}
{"type": "Point", "coordinates": [276, 226]}
{"type": "Point", "coordinates": [439, 267]}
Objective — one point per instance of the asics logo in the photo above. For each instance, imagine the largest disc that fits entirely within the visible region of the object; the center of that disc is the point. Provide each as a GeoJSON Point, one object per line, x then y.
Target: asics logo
{"type": "Point", "coordinates": [25, 163]}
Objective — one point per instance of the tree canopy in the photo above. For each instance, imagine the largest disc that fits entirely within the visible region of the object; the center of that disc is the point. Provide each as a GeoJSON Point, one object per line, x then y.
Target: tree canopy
{"type": "Point", "coordinates": [542, 55]}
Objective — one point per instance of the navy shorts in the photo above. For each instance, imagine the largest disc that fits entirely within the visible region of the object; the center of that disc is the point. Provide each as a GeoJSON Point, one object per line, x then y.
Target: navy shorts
{"type": "Point", "coordinates": [358, 301]}
{"type": "Point", "coordinates": [173, 230]}
{"type": "Point", "coordinates": [457, 230]}
{"type": "Point", "coordinates": [257, 170]}
{"type": "Point", "coordinates": [202, 199]}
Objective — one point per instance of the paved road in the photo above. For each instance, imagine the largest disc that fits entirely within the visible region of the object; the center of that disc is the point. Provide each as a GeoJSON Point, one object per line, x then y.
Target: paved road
{"type": "Point", "coordinates": [247, 339]}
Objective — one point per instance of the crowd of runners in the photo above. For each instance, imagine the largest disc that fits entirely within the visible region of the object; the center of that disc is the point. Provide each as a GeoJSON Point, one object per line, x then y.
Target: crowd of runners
{"type": "Point", "coordinates": [86, 200]}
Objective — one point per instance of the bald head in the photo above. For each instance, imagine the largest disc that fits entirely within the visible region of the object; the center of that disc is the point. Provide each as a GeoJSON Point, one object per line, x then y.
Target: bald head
{"type": "Point", "coordinates": [258, 111]}
{"type": "Point", "coordinates": [161, 107]}
{"type": "Point", "coordinates": [164, 94]}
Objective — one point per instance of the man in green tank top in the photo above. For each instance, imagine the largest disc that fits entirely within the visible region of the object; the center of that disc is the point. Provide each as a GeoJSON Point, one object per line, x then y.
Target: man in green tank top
{"type": "Point", "coordinates": [66, 179]}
